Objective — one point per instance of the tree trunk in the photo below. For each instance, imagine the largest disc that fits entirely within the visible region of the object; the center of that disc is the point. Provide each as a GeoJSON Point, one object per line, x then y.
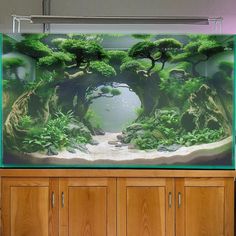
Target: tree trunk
{"type": "Point", "coordinates": [19, 109]}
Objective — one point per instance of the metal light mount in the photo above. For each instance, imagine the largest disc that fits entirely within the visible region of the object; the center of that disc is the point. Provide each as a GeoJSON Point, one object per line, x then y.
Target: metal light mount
{"type": "Point", "coordinates": [46, 20]}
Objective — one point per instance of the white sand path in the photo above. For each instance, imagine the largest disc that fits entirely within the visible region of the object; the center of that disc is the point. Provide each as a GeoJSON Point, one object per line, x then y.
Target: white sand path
{"type": "Point", "coordinates": [105, 151]}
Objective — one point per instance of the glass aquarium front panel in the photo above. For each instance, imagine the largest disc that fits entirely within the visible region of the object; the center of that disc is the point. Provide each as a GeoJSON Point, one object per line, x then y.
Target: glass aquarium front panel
{"type": "Point", "coordinates": [118, 101]}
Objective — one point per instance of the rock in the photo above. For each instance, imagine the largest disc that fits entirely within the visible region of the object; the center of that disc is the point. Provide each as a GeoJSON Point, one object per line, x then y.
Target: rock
{"type": "Point", "coordinates": [70, 149]}
{"type": "Point", "coordinates": [124, 144]}
{"type": "Point", "coordinates": [120, 137]}
{"type": "Point", "coordinates": [131, 132]}
{"type": "Point", "coordinates": [52, 151]}
{"type": "Point", "coordinates": [131, 146]}
{"type": "Point", "coordinates": [82, 147]}
{"type": "Point", "coordinates": [127, 139]}
{"type": "Point", "coordinates": [134, 126]}
{"type": "Point", "coordinates": [162, 148]}
{"type": "Point", "coordinates": [78, 128]}
{"type": "Point", "coordinates": [118, 145]}
{"type": "Point", "coordinates": [73, 144]}
{"type": "Point", "coordinates": [205, 111]}
{"type": "Point", "coordinates": [93, 142]}
{"type": "Point", "coordinates": [98, 131]}
{"type": "Point", "coordinates": [170, 148]}
{"type": "Point", "coordinates": [174, 147]}
{"type": "Point", "coordinates": [113, 142]}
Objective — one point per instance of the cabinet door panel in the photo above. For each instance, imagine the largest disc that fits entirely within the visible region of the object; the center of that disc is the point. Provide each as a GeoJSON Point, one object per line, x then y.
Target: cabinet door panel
{"type": "Point", "coordinates": [29, 211]}
{"type": "Point", "coordinates": [201, 209]}
{"type": "Point", "coordinates": [89, 207]}
{"type": "Point", "coordinates": [26, 207]}
{"type": "Point", "coordinates": [145, 207]}
{"type": "Point", "coordinates": [87, 211]}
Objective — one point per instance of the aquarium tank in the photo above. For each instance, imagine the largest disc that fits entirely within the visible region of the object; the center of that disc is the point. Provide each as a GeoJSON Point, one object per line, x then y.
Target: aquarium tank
{"type": "Point", "coordinates": [117, 101]}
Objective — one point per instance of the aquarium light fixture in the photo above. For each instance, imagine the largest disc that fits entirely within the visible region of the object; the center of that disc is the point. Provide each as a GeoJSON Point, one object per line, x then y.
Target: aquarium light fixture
{"type": "Point", "coordinates": [49, 19]}
{"type": "Point", "coordinates": [37, 19]}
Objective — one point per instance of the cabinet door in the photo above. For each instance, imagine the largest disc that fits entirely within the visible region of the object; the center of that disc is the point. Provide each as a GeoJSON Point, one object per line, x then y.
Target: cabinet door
{"type": "Point", "coordinates": [88, 206]}
{"type": "Point", "coordinates": [204, 207]}
{"type": "Point", "coordinates": [145, 207]}
{"type": "Point", "coordinates": [27, 208]}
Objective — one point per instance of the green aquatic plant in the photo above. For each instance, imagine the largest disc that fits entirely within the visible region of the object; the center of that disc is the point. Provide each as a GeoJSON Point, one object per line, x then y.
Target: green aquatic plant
{"type": "Point", "coordinates": [81, 139]}
{"type": "Point", "coordinates": [139, 111]}
{"type": "Point", "coordinates": [42, 138]}
{"type": "Point", "coordinates": [201, 136]}
{"type": "Point", "coordinates": [8, 44]}
{"type": "Point", "coordinates": [199, 50]}
{"type": "Point", "coordinates": [115, 92]}
{"type": "Point", "coordinates": [168, 44]}
{"type": "Point", "coordinates": [102, 68]}
{"type": "Point", "coordinates": [105, 91]}
{"type": "Point", "coordinates": [117, 57]}
{"type": "Point", "coordinates": [25, 122]}
{"type": "Point", "coordinates": [144, 50]}
{"type": "Point", "coordinates": [180, 89]}
{"type": "Point", "coordinates": [55, 60]}
{"type": "Point", "coordinates": [58, 41]}
{"type": "Point", "coordinates": [164, 128]}
{"type": "Point", "coordinates": [210, 48]}
{"type": "Point", "coordinates": [131, 65]}
{"type": "Point", "coordinates": [146, 141]}
{"type": "Point", "coordinates": [142, 36]}
{"type": "Point", "coordinates": [93, 119]}
{"type": "Point", "coordinates": [57, 132]}
{"type": "Point", "coordinates": [33, 47]}
{"type": "Point", "coordinates": [158, 51]}
{"type": "Point", "coordinates": [84, 51]}
{"type": "Point", "coordinates": [160, 128]}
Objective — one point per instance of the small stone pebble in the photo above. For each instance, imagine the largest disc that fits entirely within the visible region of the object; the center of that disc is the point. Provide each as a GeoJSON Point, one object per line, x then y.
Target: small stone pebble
{"type": "Point", "coordinates": [113, 142]}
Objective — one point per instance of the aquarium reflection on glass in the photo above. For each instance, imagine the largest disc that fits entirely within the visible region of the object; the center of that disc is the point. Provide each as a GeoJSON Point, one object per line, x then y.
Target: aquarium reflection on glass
{"type": "Point", "coordinates": [117, 100]}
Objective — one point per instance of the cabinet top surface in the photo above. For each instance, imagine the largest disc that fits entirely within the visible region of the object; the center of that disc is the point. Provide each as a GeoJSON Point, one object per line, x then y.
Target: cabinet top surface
{"type": "Point", "coordinates": [114, 173]}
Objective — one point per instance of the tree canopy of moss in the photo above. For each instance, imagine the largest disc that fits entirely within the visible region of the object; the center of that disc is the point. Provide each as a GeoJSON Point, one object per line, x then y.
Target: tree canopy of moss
{"type": "Point", "coordinates": [55, 60]}
{"type": "Point", "coordinates": [33, 48]}
{"type": "Point", "coordinates": [142, 36]}
{"type": "Point", "coordinates": [8, 44]}
{"type": "Point", "coordinates": [102, 68]}
{"type": "Point", "coordinates": [117, 56]}
{"type": "Point", "coordinates": [84, 51]}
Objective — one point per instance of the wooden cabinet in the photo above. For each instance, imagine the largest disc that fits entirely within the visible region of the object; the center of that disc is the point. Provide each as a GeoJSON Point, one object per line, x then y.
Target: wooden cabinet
{"type": "Point", "coordinates": [88, 207]}
{"type": "Point", "coordinates": [53, 207]}
{"type": "Point", "coordinates": [204, 207]}
{"type": "Point", "coordinates": [26, 208]}
{"type": "Point", "coordinates": [175, 206]}
{"type": "Point", "coordinates": [145, 207]}
{"type": "Point", "coordinates": [117, 205]}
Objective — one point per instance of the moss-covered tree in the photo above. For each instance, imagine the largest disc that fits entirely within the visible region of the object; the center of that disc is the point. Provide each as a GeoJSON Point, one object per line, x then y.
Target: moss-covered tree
{"type": "Point", "coordinates": [33, 46]}
{"type": "Point", "coordinates": [146, 83]}
{"type": "Point", "coordinates": [199, 49]}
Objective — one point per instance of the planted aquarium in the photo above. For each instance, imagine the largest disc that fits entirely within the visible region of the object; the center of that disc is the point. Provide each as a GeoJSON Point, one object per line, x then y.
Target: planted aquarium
{"type": "Point", "coordinates": [118, 100]}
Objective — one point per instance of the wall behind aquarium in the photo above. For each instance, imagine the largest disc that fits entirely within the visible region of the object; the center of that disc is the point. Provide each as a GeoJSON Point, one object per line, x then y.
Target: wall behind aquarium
{"type": "Point", "coordinates": [225, 9]}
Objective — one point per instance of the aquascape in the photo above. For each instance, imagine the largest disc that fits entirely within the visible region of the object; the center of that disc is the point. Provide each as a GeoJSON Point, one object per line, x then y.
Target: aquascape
{"type": "Point", "coordinates": [117, 100]}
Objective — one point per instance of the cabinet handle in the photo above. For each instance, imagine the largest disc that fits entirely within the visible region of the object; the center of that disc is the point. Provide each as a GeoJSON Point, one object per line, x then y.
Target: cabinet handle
{"type": "Point", "coordinates": [170, 199]}
{"type": "Point", "coordinates": [62, 199]}
{"type": "Point", "coordinates": [53, 200]}
{"type": "Point", "coordinates": [179, 199]}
